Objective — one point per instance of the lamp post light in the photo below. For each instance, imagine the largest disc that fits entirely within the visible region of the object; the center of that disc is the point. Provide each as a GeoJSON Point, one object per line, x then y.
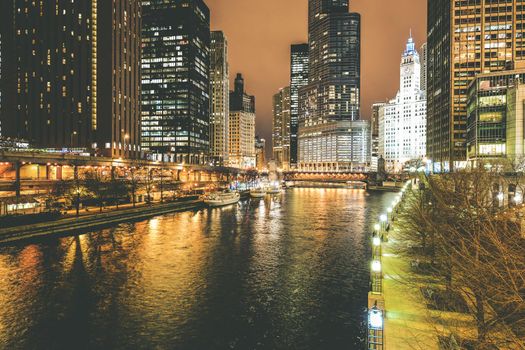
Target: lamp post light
{"type": "Point", "coordinates": [376, 276]}
{"type": "Point", "coordinates": [390, 214]}
{"type": "Point", "coordinates": [376, 325]}
{"type": "Point", "coordinates": [518, 198]}
{"type": "Point", "coordinates": [384, 219]}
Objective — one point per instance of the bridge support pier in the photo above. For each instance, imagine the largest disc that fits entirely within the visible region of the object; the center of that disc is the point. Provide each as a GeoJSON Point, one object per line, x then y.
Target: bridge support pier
{"type": "Point", "coordinates": [17, 178]}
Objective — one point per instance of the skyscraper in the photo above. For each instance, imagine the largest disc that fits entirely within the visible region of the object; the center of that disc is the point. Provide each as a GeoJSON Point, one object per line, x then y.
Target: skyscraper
{"type": "Point", "coordinates": [298, 79]}
{"type": "Point", "coordinates": [242, 127]}
{"type": "Point", "coordinates": [281, 128]}
{"type": "Point", "coordinates": [402, 121]}
{"type": "Point", "coordinates": [423, 55]}
{"type": "Point", "coordinates": [72, 74]}
{"type": "Point", "coordinates": [374, 127]}
{"type": "Point", "coordinates": [176, 80]}
{"type": "Point", "coordinates": [260, 150]}
{"type": "Point", "coordinates": [331, 100]}
{"type": "Point", "coordinates": [465, 38]}
{"type": "Point", "coordinates": [220, 98]}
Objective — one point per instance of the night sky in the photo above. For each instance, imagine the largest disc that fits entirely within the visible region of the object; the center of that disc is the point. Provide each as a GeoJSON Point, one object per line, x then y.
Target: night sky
{"type": "Point", "coordinates": [260, 33]}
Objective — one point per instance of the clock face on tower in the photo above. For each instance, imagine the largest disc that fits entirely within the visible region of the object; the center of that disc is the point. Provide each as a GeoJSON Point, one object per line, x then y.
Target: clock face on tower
{"type": "Point", "coordinates": [407, 70]}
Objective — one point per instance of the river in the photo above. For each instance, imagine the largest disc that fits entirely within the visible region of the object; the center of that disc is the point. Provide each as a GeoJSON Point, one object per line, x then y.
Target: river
{"type": "Point", "coordinates": [289, 272]}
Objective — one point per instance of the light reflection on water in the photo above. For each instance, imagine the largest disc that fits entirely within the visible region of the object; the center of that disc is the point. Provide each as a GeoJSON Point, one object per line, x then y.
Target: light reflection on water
{"type": "Point", "coordinates": [288, 272]}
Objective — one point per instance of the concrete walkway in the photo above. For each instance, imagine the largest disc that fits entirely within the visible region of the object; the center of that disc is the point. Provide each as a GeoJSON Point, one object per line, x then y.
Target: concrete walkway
{"type": "Point", "coordinates": [407, 323]}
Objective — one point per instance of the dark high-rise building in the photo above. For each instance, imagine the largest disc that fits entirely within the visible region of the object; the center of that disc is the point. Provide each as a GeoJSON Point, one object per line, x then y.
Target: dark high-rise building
{"type": "Point", "coordinates": [72, 74]}
{"type": "Point", "coordinates": [465, 38]}
{"type": "Point", "coordinates": [220, 98]}
{"type": "Point", "coordinates": [176, 83]}
{"type": "Point", "coordinates": [281, 128]}
{"type": "Point", "coordinates": [331, 100]}
{"type": "Point", "coordinates": [298, 79]}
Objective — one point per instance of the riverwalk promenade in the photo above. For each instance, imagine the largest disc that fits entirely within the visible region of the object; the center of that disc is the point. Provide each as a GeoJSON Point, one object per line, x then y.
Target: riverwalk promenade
{"type": "Point", "coordinates": [411, 323]}
{"type": "Point", "coordinates": [93, 220]}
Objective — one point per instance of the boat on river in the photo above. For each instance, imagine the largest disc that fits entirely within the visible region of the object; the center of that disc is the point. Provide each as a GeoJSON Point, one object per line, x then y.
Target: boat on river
{"type": "Point", "coordinates": [274, 190]}
{"type": "Point", "coordinates": [221, 199]}
{"type": "Point", "coordinates": [257, 193]}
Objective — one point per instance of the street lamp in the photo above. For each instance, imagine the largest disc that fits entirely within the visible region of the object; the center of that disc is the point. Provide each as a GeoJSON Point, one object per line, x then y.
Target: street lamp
{"type": "Point", "coordinates": [376, 241]}
{"type": "Point", "coordinates": [375, 318]}
{"type": "Point", "coordinates": [375, 328]}
{"type": "Point", "coordinates": [376, 266]}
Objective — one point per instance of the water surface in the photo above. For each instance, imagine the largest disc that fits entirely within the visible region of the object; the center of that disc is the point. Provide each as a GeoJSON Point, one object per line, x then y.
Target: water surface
{"type": "Point", "coordinates": [284, 273]}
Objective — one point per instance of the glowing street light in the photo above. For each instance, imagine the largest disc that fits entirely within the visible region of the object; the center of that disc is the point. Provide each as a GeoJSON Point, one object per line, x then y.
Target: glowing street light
{"type": "Point", "coordinates": [375, 318]}
{"type": "Point", "coordinates": [383, 218]}
{"type": "Point", "coordinates": [377, 227]}
{"type": "Point", "coordinates": [376, 241]}
{"type": "Point", "coordinates": [376, 266]}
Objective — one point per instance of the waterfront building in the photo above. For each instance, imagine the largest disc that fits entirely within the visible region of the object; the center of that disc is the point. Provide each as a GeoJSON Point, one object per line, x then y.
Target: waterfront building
{"type": "Point", "coordinates": [260, 153]}
{"type": "Point", "coordinates": [241, 127]}
{"type": "Point", "coordinates": [331, 100]}
{"type": "Point", "coordinates": [298, 79]}
{"type": "Point", "coordinates": [281, 128]}
{"type": "Point", "coordinates": [220, 98]}
{"type": "Point", "coordinates": [176, 80]}
{"type": "Point", "coordinates": [465, 38]}
{"type": "Point", "coordinates": [374, 128]}
{"type": "Point", "coordinates": [495, 117]}
{"type": "Point", "coordinates": [353, 140]}
{"type": "Point", "coordinates": [71, 74]}
{"type": "Point", "coordinates": [402, 121]}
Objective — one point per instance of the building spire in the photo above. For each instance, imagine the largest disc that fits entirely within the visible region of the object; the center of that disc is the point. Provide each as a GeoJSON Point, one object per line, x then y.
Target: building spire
{"type": "Point", "coordinates": [411, 46]}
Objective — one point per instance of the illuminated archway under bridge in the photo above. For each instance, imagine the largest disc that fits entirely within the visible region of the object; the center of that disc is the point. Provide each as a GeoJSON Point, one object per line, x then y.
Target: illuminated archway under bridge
{"type": "Point", "coordinates": [329, 177]}
{"type": "Point", "coordinates": [38, 172]}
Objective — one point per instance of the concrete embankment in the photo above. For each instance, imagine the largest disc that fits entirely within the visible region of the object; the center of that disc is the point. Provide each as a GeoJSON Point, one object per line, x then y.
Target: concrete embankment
{"type": "Point", "coordinates": [86, 223]}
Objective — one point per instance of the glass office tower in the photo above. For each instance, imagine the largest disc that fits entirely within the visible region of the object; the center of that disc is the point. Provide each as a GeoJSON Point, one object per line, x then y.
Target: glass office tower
{"type": "Point", "coordinates": [298, 79]}
{"type": "Point", "coordinates": [465, 38]}
{"type": "Point", "coordinates": [176, 80]}
{"type": "Point", "coordinates": [333, 91]}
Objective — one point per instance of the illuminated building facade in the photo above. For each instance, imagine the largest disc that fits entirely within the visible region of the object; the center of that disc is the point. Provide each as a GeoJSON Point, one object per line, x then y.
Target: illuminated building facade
{"type": "Point", "coordinates": [260, 153]}
{"type": "Point", "coordinates": [242, 127]}
{"type": "Point", "coordinates": [465, 38]}
{"type": "Point", "coordinates": [281, 128]}
{"type": "Point", "coordinates": [402, 121]}
{"type": "Point", "coordinates": [176, 80]}
{"type": "Point", "coordinates": [332, 97]}
{"type": "Point", "coordinates": [374, 128]}
{"type": "Point", "coordinates": [347, 140]}
{"type": "Point", "coordinates": [298, 79]}
{"type": "Point", "coordinates": [73, 74]}
{"type": "Point", "coordinates": [220, 98]}
{"type": "Point", "coordinates": [495, 116]}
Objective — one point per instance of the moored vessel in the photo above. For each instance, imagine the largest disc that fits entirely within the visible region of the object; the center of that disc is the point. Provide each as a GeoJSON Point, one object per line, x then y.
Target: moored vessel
{"type": "Point", "coordinates": [221, 199]}
{"type": "Point", "coordinates": [257, 193]}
